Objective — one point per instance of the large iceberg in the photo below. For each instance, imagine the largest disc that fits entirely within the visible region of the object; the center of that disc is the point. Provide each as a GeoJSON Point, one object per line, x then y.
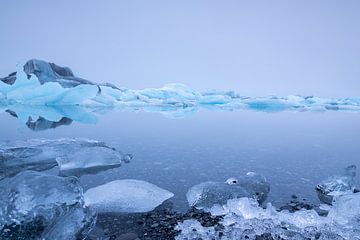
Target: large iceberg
{"type": "Point", "coordinates": [209, 195]}
{"type": "Point", "coordinates": [72, 155]}
{"type": "Point", "coordinates": [39, 83]}
{"type": "Point", "coordinates": [126, 196]}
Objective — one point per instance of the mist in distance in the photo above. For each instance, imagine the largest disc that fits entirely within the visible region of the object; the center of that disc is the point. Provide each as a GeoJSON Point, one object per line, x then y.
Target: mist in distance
{"type": "Point", "coordinates": [256, 48]}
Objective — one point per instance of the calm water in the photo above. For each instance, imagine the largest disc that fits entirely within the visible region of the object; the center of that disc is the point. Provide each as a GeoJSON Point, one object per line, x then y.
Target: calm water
{"type": "Point", "coordinates": [294, 150]}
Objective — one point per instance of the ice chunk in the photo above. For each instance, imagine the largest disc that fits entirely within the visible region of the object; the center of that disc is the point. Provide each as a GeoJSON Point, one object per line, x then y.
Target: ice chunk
{"type": "Point", "coordinates": [346, 208]}
{"type": "Point", "coordinates": [256, 184]}
{"type": "Point", "coordinates": [17, 159]}
{"type": "Point", "coordinates": [126, 196]}
{"type": "Point", "coordinates": [337, 185]}
{"type": "Point", "coordinates": [74, 224]}
{"type": "Point", "coordinates": [245, 219]}
{"type": "Point", "coordinates": [192, 229]}
{"type": "Point", "coordinates": [32, 194]}
{"type": "Point", "coordinates": [71, 155]}
{"type": "Point", "coordinates": [207, 194]}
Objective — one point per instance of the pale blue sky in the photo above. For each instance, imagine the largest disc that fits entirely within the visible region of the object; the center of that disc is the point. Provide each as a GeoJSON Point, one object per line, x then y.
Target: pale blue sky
{"type": "Point", "coordinates": [253, 47]}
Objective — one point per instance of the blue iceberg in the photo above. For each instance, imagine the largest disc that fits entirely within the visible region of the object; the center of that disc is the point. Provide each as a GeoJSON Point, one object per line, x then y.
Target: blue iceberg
{"type": "Point", "coordinates": [40, 88]}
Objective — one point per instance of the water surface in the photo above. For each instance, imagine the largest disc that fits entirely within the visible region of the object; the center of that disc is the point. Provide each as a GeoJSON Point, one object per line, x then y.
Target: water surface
{"type": "Point", "coordinates": [294, 150]}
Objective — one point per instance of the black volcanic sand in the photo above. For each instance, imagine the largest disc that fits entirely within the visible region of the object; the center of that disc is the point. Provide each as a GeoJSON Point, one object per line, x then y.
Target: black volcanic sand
{"type": "Point", "coordinates": [160, 223]}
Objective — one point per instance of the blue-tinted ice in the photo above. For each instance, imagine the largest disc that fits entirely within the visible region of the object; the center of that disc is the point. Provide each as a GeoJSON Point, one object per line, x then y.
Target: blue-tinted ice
{"type": "Point", "coordinates": [206, 195]}
{"type": "Point", "coordinates": [337, 185]}
{"type": "Point", "coordinates": [126, 196]}
{"type": "Point", "coordinates": [32, 194]}
{"type": "Point", "coordinates": [73, 156]}
{"type": "Point", "coordinates": [41, 88]}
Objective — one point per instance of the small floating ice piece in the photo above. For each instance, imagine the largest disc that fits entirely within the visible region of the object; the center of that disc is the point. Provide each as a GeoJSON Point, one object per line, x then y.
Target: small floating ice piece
{"type": "Point", "coordinates": [126, 196]}
{"type": "Point", "coordinates": [33, 194]}
{"type": "Point", "coordinates": [337, 185]}
{"type": "Point", "coordinates": [205, 195]}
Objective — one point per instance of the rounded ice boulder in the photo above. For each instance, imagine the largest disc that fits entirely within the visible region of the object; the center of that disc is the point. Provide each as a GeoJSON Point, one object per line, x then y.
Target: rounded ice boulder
{"type": "Point", "coordinates": [207, 194]}
{"type": "Point", "coordinates": [126, 196]}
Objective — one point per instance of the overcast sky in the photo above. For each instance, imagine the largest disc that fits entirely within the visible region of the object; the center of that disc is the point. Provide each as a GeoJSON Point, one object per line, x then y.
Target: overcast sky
{"type": "Point", "coordinates": [253, 47]}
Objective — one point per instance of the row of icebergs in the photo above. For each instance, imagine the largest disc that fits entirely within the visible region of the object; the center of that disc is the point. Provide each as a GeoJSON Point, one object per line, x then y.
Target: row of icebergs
{"type": "Point", "coordinates": [42, 89]}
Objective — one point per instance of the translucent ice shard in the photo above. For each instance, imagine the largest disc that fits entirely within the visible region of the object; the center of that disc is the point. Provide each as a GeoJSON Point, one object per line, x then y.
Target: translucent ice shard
{"type": "Point", "coordinates": [337, 185]}
{"type": "Point", "coordinates": [192, 229]}
{"type": "Point", "coordinates": [126, 196]}
{"type": "Point", "coordinates": [33, 194]}
{"type": "Point", "coordinates": [71, 155]}
{"type": "Point", "coordinates": [16, 159]}
{"type": "Point", "coordinates": [74, 224]}
{"type": "Point", "coordinates": [243, 218]}
{"type": "Point", "coordinates": [206, 195]}
{"type": "Point", "coordinates": [346, 208]}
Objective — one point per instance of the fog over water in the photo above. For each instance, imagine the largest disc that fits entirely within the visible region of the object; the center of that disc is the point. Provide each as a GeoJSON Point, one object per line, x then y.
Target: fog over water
{"type": "Point", "coordinates": [256, 48]}
{"type": "Point", "coordinates": [181, 135]}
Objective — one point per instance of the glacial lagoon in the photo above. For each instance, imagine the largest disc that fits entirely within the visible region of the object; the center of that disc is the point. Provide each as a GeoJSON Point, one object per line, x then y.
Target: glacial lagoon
{"type": "Point", "coordinates": [135, 160]}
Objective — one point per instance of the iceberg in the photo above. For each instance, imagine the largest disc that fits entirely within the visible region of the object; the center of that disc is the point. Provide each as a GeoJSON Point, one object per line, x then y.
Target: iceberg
{"type": "Point", "coordinates": [206, 195]}
{"type": "Point", "coordinates": [39, 84]}
{"type": "Point", "coordinates": [337, 185]}
{"type": "Point", "coordinates": [126, 196]}
{"type": "Point", "coordinates": [71, 155]}
{"type": "Point", "coordinates": [32, 194]}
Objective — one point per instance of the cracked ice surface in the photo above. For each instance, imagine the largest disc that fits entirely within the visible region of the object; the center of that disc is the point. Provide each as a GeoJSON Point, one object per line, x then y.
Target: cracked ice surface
{"type": "Point", "coordinates": [48, 91]}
